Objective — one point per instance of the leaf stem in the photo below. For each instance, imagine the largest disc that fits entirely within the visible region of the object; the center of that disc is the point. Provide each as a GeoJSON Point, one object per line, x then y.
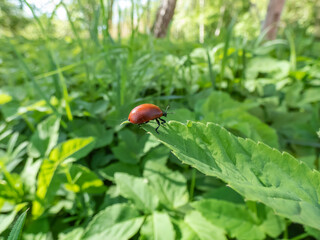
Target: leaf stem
{"type": "Point", "coordinates": [285, 232]}
{"type": "Point", "coordinates": [301, 236]}
{"type": "Point", "coordinates": [193, 183]}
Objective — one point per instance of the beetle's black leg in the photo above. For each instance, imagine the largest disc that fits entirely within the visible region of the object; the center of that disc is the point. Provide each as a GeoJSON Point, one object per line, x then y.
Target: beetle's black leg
{"type": "Point", "coordinates": [162, 121]}
{"type": "Point", "coordinates": [158, 125]}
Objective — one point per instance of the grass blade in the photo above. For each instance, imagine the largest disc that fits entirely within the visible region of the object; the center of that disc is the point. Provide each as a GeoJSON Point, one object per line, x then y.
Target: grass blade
{"type": "Point", "coordinates": [211, 73]}
{"type": "Point", "coordinates": [16, 231]}
{"type": "Point", "coordinates": [293, 55]}
{"type": "Point", "coordinates": [225, 53]}
{"type": "Point", "coordinates": [75, 32]}
{"type": "Point", "coordinates": [30, 76]}
{"type": "Point", "coordinates": [54, 63]}
{"type": "Point", "coordinates": [48, 50]}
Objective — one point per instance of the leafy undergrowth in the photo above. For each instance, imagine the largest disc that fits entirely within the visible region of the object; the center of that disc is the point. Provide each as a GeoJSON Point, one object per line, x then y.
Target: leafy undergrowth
{"type": "Point", "coordinates": [215, 171]}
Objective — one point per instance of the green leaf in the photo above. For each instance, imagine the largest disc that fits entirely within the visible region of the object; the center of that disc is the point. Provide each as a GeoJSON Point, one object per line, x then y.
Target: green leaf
{"type": "Point", "coordinates": [100, 159]}
{"type": "Point", "coordinates": [305, 154]}
{"type": "Point", "coordinates": [185, 232]}
{"type": "Point", "coordinates": [202, 228]}
{"type": "Point", "coordinates": [29, 175]}
{"type": "Point", "coordinates": [37, 229]}
{"type": "Point", "coordinates": [124, 154]}
{"type": "Point", "coordinates": [275, 68]}
{"type": "Point", "coordinates": [18, 226]}
{"type": "Point", "coordinates": [137, 190]}
{"type": "Point", "coordinates": [273, 225]}
{"type": "Point", "coordinates": [47, 185]}
{"type": "Point", "coordinates": [74, 234]}
{"type": "Point", "coordinates": [7, 192]}
{"type": "Point", "coordinates": [224, 193]}
{"type": "Point", "coordinates": [11, 187]}
{"type": "Point", "coordinates": [10, 110]}
{"type": "Point", "coordinates": [119, 221]}
{"type": "Point", "coordinates": [255, 170]}
{"type": "Point", "coordinates": [131, 148]}
{"type": "Point", "coordinates": [159, 154]}
{"type": "Point", "coordinates": [72, 149]}
{"type": "Point", "coordinates": [313, 232]}
{"type": "Point", "coordinates": [222, 109]}
{"type": "Point", "coordinates": [109, 171]}
{"type": "Point", "coordinates": [158, 227]}
{"type": "Point", "coordinates": [169, 186]}
{"type": "Point", "coordinates": [309, 96]}
{"type": "Point", "coordinates": [236, 219]}
{"type": "Point", "coordinates": [82, 128]}
{"type": "Point", "coordinates": [84, 180]}
{"type": "Point", "coordinates": [45, 138]}
{"type": "Point", "coordinates": [293, 94]}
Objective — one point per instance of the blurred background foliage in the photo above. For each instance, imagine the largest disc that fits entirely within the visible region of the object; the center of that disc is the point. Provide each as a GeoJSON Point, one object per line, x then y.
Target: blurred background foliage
{"type": "Point", "coordinates": [215, 15]}
{"type": "Point", "coordinates": [71, 71]}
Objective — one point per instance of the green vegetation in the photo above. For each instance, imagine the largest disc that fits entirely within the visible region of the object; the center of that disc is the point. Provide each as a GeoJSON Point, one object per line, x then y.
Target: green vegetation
{"type": "Point", "coordinates": [238, 158]}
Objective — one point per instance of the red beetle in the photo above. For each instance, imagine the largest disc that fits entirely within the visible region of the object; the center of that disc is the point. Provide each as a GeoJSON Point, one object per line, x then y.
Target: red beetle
{"type": "Point", "coordinates": [146, 112]}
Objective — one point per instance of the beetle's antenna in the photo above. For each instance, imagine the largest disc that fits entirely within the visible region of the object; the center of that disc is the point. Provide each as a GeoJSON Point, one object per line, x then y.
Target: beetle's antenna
{"type": "Point", "coordinates": [165, 113]}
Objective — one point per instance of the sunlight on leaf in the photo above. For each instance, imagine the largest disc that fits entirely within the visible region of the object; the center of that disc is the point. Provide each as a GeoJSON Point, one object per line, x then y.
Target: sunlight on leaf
{"type": "Point", "coordinates": [4, 98]}
{"type": "Point", "coordinates": [73, 149]}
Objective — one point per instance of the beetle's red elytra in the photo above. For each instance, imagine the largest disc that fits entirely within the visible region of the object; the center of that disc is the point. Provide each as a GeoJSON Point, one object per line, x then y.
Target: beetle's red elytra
{"type": "Point", "coordinates": [145, 113]}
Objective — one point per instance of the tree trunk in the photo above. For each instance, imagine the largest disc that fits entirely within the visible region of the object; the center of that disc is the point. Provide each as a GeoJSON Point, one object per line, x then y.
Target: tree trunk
{"type": "Point", "coordinates": [164, 17]}
{"type": "Point", "coordinates": [272, 19]}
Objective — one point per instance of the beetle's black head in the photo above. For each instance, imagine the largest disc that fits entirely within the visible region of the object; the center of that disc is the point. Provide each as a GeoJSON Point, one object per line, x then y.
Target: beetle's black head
{"type": "Point", "coordinates": [165, 113]}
